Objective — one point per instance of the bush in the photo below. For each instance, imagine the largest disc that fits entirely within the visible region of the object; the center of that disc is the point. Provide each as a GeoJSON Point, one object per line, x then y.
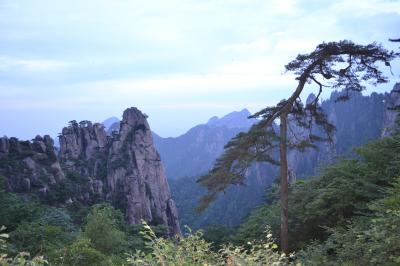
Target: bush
{"type": "Point", "coordinates": [81, 252]}
{"type": "Point", "coordinates": [39, 239]}
{"type": "Point", "coordinates": [103, 229]}
{"type": "Point", "coordinates": [22, 259]}
{"type": "Point", "coordinates": [194, 250]}
{"type": "Point", "coordinates": [370, 240]}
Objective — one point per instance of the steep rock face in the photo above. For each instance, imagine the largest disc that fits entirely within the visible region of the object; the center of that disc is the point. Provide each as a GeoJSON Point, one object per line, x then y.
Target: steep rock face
{"type": "Point", "coordinates": [135, 171]}
{"type": "Point", "coordinates": [392, 101]}
{"type": "Point", "coordinates": [91, 167]}
{"type": "Point", "coordinates": [357, 121]}
{"type": "Point", "coordinates": [124, 168]}
{"type": "Point", "coordinates": [29, 165]}
{"type": "Point", "coordinates": [83, 149]}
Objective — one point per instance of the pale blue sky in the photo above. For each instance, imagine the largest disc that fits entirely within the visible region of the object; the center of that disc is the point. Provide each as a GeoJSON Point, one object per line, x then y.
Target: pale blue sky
{"type": "Point", "coordinates": [180, 62]}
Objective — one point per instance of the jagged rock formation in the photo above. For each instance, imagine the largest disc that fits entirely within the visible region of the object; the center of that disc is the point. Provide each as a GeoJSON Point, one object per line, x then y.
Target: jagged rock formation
{"type": "Point", "coordinates": [392, 101]}
{"type": "Point", "coordinates": [135, 170]}
{"type": "Point", "coordinates": [30, 165]}
{"type": "Point", "coordinates": [124, 169]}
{"type": "Point", "coordinates": [359, 120]}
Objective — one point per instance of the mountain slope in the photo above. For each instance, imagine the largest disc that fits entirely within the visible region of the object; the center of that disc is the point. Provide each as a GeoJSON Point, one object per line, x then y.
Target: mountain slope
{"type": "Point", "coordinates": [358, 121]}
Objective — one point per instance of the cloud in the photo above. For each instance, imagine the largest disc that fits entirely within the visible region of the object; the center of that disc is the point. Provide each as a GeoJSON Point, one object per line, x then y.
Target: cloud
{"type": "Point", "coordinates": [32, 65]}
{"type": "Point", "coordinates": [366, 8]}
{"type": "Point", "coordinates": [236, 77]}
{"type": "Point", "coordinates": [209, 105]}
{"type": "Point", "coordinates": [102, 55]}
{"type": "Point", "coordinates": [262, 44]}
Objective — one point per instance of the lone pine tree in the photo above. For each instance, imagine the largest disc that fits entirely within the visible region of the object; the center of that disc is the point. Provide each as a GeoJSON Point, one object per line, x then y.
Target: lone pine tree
{"type": "Point", "coordinates": [338, 65]}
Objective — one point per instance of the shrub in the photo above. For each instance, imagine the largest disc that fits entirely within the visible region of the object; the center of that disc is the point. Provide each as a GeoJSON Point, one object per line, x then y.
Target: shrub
{"type": "Point", "coordinates": [103, 229]}
{"type": "Point", "coordinates": [194, 250]}
{"type": "Point", "coordinates": [21, 259]}
{"type": "Point", "coordinates": [81, 252]}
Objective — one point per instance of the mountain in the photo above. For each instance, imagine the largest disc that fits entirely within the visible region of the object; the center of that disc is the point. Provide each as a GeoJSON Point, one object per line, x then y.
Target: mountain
{"type": "Point", "coordinates": [91, 167]}
{"type": "Point", "coordinates": [358, 121]}
{"type": "Point", "coordinates": [193, 153]}
{"type": "Point", "coordinates": [109, 122]}
{"type": "Point", "coordinates": [232, 120]}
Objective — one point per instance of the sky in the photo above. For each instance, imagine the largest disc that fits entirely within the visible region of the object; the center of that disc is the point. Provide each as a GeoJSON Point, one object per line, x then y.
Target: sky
{"type": "Point", "coordinates": [179, 61]}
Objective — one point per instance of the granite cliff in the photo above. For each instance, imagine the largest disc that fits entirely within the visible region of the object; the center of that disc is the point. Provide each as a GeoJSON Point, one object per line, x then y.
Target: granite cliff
{"type": "Point", "coordinates": [123, 169]}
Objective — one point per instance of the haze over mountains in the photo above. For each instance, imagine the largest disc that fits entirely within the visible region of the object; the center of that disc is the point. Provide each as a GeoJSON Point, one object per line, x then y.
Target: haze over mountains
{"type": "Point", "coordinates": [190, 155]}
{"type": "Point", "coordinates": [361, 119]}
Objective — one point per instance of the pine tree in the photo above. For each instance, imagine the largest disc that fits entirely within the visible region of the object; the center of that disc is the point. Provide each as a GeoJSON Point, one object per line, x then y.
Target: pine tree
{"type": "Point", "coordinates": [338, 65]}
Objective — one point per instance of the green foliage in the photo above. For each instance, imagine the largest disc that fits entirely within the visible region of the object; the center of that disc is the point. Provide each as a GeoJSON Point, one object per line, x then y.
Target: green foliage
{"type": "Point", "coordinates": [76, 177]}
{"type": "Point", "coordinates": [230, 169]}
{"type": "Point", "coordinates": [218, 236]}
{"type": "Point", "coordinates": [341, 192]}
{"type": "Point", "coordinates": [361, 65]}
{"type": "Point", "coordinates": [82, 252]}
{"type": "Point", "coordinates": [13, 210]}
{"type": "Point", "coordinates": [259, 219]}
{"type": "Point", "coordinates": [61, 191]}
{"type": "Point", "coordinates": [194, 250]}
{"type": "Point", "coordinates": [37, 238]}
{"type": "Point", "coordinates": [365, 241]}
{"type": "Point", "coordinates": [57, 217]}
{"type": "Point", "coordinates": [103, 229]}
{"type": "Point", "coordinates": [78, 212]}
{"type": "Point", "coordinates": [136, 240]}
{"type": "Point", "coordinates": [21, 259]}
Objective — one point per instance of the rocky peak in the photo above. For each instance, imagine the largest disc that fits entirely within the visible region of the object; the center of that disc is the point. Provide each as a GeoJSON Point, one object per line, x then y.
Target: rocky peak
{"type": "Point", "coordinates": [4, 147]}
{"type": "Point", "coordinates": [237, 119]}
{"type": "Point", "coordinates": [134, 117]}
{"type": "Point", "coordinates": [123, 169]}
{"type": "Point", "coordinates": [29, 164]}
{"type": "Point", "coordinates": [135, 170]}
{"type": "Point", "coordinates": [82, 140]}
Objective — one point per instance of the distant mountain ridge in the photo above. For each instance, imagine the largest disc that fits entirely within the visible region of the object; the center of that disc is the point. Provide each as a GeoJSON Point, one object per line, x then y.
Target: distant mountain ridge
{"type": "Point", "coordinates": [236, 119]}
{"type": "Point", "coordinates": [195, 151]}
{"type": "Point", "coordinates": [187, 156]}
{"type": "Point", "coordinates": [359, 120]}
{"type": "Point", "coordinates": [109, 122]}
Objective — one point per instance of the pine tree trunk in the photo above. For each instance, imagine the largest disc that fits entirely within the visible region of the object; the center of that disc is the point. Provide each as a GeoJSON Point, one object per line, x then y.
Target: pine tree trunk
{"type": "Point", "coordinates": [284, 184]}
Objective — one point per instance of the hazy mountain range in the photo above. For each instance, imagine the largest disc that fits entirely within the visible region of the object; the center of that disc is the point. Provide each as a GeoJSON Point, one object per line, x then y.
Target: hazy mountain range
{"type": "Point", "coordinates": [192, 154]}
